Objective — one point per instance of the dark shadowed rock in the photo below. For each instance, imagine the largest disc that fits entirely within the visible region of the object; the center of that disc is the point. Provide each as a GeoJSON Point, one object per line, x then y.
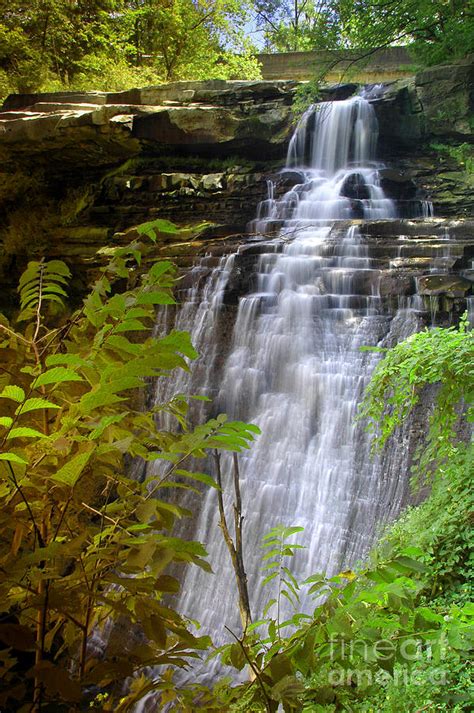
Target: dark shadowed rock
{"type": "Point", "coordinates": [355, 187]}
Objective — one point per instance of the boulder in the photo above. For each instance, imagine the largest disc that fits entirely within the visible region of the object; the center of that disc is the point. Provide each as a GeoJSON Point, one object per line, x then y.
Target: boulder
{"type": "Point", "coordinates": [437, 102]}
{"type": "Point", "coordinates": [200, 128]}
{"type": "Point", "coordinates": [397, 185]}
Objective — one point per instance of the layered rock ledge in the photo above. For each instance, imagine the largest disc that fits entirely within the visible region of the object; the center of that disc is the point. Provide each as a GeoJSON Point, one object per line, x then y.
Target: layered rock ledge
{"type": "Point", "coordinates": [80, 169]}
{"type": "Point", "coordinates": [95, 128]}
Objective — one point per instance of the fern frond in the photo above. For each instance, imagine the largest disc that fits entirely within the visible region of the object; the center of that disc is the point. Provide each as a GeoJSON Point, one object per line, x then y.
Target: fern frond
{"type": "Point", "coordinates": [42, 282]}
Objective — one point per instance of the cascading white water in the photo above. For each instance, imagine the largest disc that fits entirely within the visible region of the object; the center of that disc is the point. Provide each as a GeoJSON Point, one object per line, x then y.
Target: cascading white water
{"type": "Point", "coordinates": [295, 368]}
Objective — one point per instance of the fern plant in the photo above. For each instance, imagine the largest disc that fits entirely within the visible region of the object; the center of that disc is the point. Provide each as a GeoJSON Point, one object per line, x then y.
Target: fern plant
{"type": "Point", "coordinates": [82, 545]}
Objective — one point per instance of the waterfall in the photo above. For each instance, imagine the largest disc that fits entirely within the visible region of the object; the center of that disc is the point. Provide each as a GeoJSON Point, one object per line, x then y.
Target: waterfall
{"type": "Point", "coordinates": [295, 368]}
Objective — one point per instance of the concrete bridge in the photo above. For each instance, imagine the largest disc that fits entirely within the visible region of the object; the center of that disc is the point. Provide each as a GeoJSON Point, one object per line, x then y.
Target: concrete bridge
{"type": "Point", "coordinates": [344, 65]}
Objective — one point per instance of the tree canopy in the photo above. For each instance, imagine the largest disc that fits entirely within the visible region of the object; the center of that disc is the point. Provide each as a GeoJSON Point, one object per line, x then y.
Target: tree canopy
{"type": "Point", "coordinates": [300, 24]}
{"type": "Point", "coordinates": [110, 44]}
{"type": "Point", "coordinates": [437, 30]}
{"type": "Point", "coordinates": [114, 44]}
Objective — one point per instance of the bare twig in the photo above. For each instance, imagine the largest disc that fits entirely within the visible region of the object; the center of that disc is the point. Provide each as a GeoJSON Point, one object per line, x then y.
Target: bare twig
{"type": "Point", "coordinates": [235, 549]}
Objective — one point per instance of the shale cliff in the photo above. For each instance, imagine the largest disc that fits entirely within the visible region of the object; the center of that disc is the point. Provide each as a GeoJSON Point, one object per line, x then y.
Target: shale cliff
{"type": "Point", "coordinates": [79, 171]}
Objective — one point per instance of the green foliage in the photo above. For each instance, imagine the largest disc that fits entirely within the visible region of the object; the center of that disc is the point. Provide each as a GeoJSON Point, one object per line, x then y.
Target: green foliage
{"type": "Point", "coordinates": [436, 31]}
{"type": "Point", "coordinates": [117, 44]}
{"type": "Point", "coordinates": [442, 528]}
{"type": "Point", "coordinates": [441, 357]}
{"type": "Point", "coordinates": [397, 636]}
{"type": "Point", "coordinates": [299, 25]}
{"type": "Point", "coordinates": [366, 630]}
{"type": "Point", "coordinates": [306, 94]}
{"type": "Point", "coordinates": [463, 154]}
{"type": "Point", "coordinates": [195, 39]}
{"type": "Point", "coordinates": [279, 549]}
{"type": "Point", "coordinates": [82, 544]}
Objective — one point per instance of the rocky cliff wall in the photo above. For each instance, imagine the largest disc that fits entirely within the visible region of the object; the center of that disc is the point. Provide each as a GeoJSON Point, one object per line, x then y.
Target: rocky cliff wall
{"type": "Point", "coordinates": [79, 171]}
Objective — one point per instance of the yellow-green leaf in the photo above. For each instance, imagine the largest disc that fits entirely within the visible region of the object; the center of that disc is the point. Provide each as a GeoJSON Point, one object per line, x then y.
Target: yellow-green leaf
{"type": "Point", "coordinates": [13, 458]}
{"type": "Point", "coordinates": [25, 432]}
{"type": "Point", "coordinates": [34, 405]}
{"type": "Point", "coordinates": [15, 393]}
{"type": "Point", "coordinates": [69, 473]}
{"type": "Point", "coordinates": [155, 298]}
{"type": "Point", "coordinates": [6, 421]}
{"type": "Point", "coordinates": [57, 375]}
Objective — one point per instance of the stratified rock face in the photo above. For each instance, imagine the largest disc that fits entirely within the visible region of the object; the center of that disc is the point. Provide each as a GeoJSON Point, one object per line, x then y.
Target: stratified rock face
{"type": "Point", "coordinates": [204, 118]}
{"type": "Point", "coordinates": [413, 264]}
{"type": "Point", "coordinates": [420, 119]}
{"type": "Point", "coordinates": [438, 102]}
{"type": "Point", "coordinates": [78, 168]}
{"type": "Point", "coordinates": [447, 96]}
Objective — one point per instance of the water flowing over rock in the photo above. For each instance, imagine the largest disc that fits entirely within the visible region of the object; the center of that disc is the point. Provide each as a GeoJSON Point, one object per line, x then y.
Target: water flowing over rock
{"type": "Point", "coordinates": [304, 295]}
{"type": "Point", "coordinates": [342, 251]}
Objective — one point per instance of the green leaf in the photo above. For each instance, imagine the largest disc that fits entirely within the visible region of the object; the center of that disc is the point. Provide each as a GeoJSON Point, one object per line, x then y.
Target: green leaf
{"type": "Point", "coordinates": [130, 325]}
{"type": "Point", "coordinates": [6, 421]}
{"type": "Point", "coordinates": [411, 564]}
{"type": "Point", "coordinates": [162, 266]}
{"type": "Point", "coordinates": [70, 472]}
{"type": "Point", "coordinates": [269, 578]}
{"type": "Point", "coordinates": [287, 689]}
{"type": "Point", "coordinates": [161, 226]}
{"type": "Point", "coordinates": [201, 477]}
{"type": "Point", "coordinates": [155, 298]}
{"type": "Point", "coordinates": [117, 342]}
{"type": "Point", "coordinates": [57, 268]}
{"type": "Point", "coordinates": [15, 393]}
{"type": "Point", "coordinates": [24, 432]}
{"type": "Point", "coordinates": [97, 398]}
{"type": "Point", "coordinates": [13, 458]}
{"type": "Point", "coordinates": [56, 375]}
{"type": "Point", "coordinates": [70, 359]}
{"type": "Point", "coordinates": [34, 405]}
{"type": "Point", "coordinates": [237, 656]}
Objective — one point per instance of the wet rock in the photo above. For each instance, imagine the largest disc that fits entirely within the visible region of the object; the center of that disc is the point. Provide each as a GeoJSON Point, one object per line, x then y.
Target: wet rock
{"type": "Point", "coordinates": [396, 283]}
{"type": "Point", "coordinates": [213, 182]}
{"type": "Point", "coordinates": [397, 185]}
{"type": "Point", "coordinates": [289, 177]}
{"type": "Point", "coordinates": [21, 101]}
{"type": "Point", "coordinates": [448, 285]}
{"type": "Point", "coordinates": [355, 187]}
{"type": "Point", "coordinates": [95, 128]}
{"type": "Point", "coordinates": [438, 102]}
{"type": "Point", "coordinates": [400, 115]}
{"type": "Point", "coordinates": [191, 152]}
{"type": "Point", "coordinates": [337, 92]}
